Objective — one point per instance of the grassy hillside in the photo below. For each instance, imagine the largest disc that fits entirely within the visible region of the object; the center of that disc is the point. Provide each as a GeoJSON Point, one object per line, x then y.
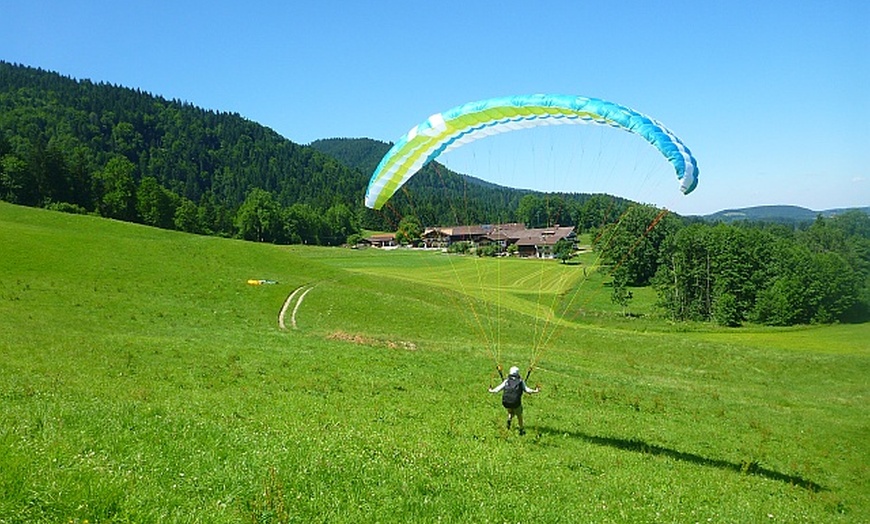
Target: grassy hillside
{"type": "Point", "coordinates": [142, 379]}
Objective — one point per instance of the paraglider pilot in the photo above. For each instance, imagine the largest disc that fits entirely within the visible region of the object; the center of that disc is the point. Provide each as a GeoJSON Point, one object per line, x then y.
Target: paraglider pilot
{"type": "Point", "coordinates": [512, 390]}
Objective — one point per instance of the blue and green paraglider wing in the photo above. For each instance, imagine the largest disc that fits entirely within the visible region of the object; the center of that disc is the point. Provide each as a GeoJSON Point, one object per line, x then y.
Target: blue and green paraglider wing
{"type": "Point", "coordinates": [469, 122]}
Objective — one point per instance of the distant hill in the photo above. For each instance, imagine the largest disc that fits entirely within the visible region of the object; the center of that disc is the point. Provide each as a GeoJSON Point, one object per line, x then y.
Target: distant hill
{"type": "Point", "coordinates": [365, 154]}
{"type": "Point", "coordinates": [782, 214]}
{"type": "Point", "coordinates": [357, 153]}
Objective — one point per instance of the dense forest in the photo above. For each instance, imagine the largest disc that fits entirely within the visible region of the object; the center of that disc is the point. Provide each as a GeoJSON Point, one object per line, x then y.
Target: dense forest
{"type": "Point", "coordinates": [84, 147]}
{"type": "Point", "coordinates": [768, 273]}
{"type": "Point", "coordinates": [774, 275]}
{"type": "Point", "coordinates": [125, 154]}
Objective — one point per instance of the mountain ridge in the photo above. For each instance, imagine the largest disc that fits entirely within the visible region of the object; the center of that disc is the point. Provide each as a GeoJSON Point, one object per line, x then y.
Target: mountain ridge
{"type": "Point", "coordinates": [777, 213]}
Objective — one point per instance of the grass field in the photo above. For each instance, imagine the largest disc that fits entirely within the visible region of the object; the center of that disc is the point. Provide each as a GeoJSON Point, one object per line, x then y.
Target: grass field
{"type": "Point", "coordinates": [142, 380]}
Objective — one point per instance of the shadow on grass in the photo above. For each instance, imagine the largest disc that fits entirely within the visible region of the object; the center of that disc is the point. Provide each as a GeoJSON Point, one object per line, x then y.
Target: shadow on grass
{"type": "Point", "coordinates": [639, 446]}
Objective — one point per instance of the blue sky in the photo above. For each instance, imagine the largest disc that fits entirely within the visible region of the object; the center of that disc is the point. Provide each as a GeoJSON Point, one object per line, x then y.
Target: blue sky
{"type": "Point", "coordinates": [772, 97]}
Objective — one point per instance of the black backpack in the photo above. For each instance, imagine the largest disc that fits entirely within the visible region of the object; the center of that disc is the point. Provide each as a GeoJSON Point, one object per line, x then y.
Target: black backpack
{"type": "Point", "coordinates": [512, 393]}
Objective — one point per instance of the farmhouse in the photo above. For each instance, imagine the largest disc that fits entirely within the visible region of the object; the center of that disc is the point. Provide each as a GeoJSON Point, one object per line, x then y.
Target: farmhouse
{"type": "Point", "coordinates": [436, 237]}
{"type": "Point", "coordinates": [381, 240]}
{"type": "Point", "coordinates": [540, 242]}
{"type": "Point", "coordinates": [530, 242]}
{"type": "Point", "coordinates": [442, 237]}
{"type": "Point", "coordinates": [445, 236]}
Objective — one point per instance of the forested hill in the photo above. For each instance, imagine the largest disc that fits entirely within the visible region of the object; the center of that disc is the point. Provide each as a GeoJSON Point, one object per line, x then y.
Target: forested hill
{"type": "Point", "coordinates": [365, 154]}
{"type": "Point", "coordinates": [64, 135]}
{"type": "Point", "coordinates": [437, 195]}
{"type": "Point", "coordinates": [358, 153]}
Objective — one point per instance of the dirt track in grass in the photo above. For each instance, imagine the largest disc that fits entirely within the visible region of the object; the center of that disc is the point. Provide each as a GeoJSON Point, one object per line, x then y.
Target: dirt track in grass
{"type": "Point", "coordinates": [295, 298]}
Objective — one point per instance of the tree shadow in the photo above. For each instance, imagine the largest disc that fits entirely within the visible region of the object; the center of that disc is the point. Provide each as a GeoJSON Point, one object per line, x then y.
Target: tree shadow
{"type": "Point", "coordinates": [639, 446]}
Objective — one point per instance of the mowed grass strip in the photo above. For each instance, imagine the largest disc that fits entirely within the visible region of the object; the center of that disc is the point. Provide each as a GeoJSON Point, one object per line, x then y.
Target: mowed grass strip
{"type": "Point", "coordinates": [142, 380]}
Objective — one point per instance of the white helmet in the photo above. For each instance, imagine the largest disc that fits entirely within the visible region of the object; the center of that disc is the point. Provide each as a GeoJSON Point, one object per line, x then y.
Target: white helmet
{"type": "Point", "coordinates": [514, 371]}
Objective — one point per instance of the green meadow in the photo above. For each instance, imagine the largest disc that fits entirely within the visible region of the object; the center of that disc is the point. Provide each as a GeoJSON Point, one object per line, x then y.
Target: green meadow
{"type": "Point", "coordinates": [142, 379]}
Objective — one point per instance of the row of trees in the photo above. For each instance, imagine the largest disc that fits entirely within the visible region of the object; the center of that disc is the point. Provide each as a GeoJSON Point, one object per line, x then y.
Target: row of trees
{"type": "Point", "coordinates": [770, 274]}
{"type": "Point", "coordinates": [261, 218]}
{"type": "Point", "coordinates": [115, 191]}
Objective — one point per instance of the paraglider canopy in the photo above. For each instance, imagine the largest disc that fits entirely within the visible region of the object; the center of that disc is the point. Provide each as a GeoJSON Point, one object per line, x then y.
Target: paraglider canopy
{"type": "Point", "coordinates": [442, 132]}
